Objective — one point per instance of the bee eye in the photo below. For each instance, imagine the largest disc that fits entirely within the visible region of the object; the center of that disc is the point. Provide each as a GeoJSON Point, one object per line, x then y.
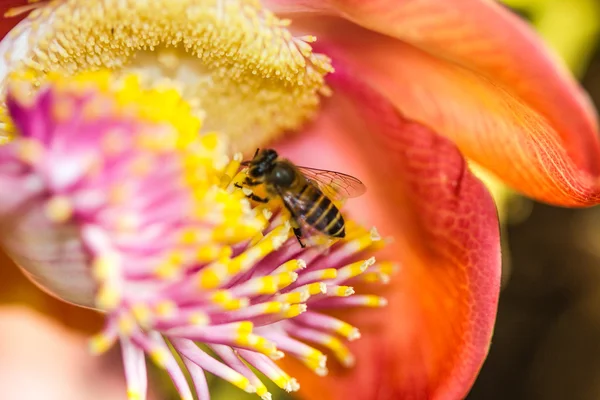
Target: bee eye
{"type": "Point", "coordinates": [282, 175]}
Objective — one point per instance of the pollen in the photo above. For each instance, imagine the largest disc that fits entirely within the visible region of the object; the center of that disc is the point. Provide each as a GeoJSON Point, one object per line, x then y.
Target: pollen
{"type": "Point", "coordinates": [234, 62]}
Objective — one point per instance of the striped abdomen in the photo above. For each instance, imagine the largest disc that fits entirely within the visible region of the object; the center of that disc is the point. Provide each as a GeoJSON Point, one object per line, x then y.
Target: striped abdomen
{"type": "Point", "coordinates": [319, 212]}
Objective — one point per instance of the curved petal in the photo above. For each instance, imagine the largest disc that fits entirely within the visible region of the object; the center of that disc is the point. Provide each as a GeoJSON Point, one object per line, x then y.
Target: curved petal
{"type": "Point", "coordinates": [431, 340]}
{"type": "Point", "coordinates": [489, 125]}
{"type": "Point", "coordinates": [15, 288]}
{"type": "Point", "coordinates": [478, 75]}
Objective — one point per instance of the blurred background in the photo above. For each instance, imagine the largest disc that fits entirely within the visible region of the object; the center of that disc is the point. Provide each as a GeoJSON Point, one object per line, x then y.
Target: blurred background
{"type": "Point", "coordinates": [547, 338]}
{"type": "Point", "coordinates": [546, 343]}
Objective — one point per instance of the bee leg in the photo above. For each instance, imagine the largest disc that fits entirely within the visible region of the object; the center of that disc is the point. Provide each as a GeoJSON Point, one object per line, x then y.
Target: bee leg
{"type": "Point", "coordinates": [257, 198]}
{"type": "Point", "coordinates": [250, 182]}
{"type": "Point", "coordinates": [298, 233]}
{"type": "Point", "coordinates": [252, 195]}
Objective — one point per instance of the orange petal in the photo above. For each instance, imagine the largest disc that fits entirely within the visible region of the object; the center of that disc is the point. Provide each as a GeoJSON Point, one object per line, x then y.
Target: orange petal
{"type": "Point", "coordinates": [42, 360]}
{"type": "Point", "coordinates": [431, 340]}
{"type": "Point", "coordinates": [477, 74]}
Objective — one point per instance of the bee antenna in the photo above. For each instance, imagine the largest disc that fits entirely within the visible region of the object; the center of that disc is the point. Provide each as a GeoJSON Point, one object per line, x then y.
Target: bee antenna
{"type": "Point", "coordinates": [256, 153]}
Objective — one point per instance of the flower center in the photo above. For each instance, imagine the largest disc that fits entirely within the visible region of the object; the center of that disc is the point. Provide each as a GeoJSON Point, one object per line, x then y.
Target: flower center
{"type": "Point", "coordinates": [234, 62]}
{"type": "Point", "coordinates": [115, 202]}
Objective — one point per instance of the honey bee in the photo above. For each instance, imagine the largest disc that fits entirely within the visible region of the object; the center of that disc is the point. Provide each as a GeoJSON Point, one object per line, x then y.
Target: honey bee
{"type": "Point", "coordinates": [307, 193]}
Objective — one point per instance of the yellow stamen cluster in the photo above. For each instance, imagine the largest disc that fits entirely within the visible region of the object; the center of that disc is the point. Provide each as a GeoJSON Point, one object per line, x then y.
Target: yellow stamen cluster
{"type": "Point", "coordinates": [234, 62]}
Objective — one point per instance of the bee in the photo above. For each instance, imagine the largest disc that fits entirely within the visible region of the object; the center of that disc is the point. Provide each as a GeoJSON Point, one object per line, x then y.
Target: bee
{"type": "Point", "coordinates": [307, 193]}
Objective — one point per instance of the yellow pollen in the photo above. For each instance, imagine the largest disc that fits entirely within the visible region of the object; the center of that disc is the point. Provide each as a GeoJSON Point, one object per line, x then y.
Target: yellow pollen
{"type": "Point", "coordinates": [159, 356]}
{"type": "Point", "coordinates": [233, 61]}
{"type": "Point", "coordinates": [295, 310]}
{"type": "Point", "coordinates": [198, 319]}
{"type": "Point", "coordinates": [30, 151]}
{"type": "Point", "coordinates": [100, 343]}
{"type": "Point", "coordinates": [59, 209]}
{"type": "Point", "coordinates": [133, 395]}
{"type": "Point", "coordinates": [108, 297]}
{"type": "Point", "coordinates": [329, 273]}
{"type": "Point", "coordinates": [166, 308]}
{"type": "Point", "coordinates": [317, 288]}
{"type": "Point", "coordinates": [126, 324]}
{"type": "Point", "coordinates": [142, 313]}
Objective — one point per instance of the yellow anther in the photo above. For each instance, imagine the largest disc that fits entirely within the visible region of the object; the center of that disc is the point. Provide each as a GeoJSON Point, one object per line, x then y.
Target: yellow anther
{"type": "Point", "coordinates": [100, 343]}
{"type": "Point", "coordinates": [231, 170]}
{"type": "Point", "coordinates": [285, 279]}
{"type": "Point", "coordinates": [374, 301]}
{"type": "Point", "coordinates": [198, 319]}
{"type": "Point", "coordinates": [236, 304]}
{"type": "Point", "coordinates": [159, 356]}
{"type": "Point", "coordinates": [134, 394]}
{"type": "Point", "coordinates": [221, 297]}
{"type": "Point", "coordinates": [272, 307]}
{"type": "Point", "coordinates": [267, 285]}
{"type": "Point", "coordinates": [295, 310]}
{"type": "Point", "coordinates": [340, 291]}
{"type": "Point", "coordinates": [167, 270]}
{"type": "Point", "coordinates": [340, 351]}
{"type": "Point", "coordinates": [30, 151]}
{"type": "Point", "coordinates": [317, 288]}
{"type": "Point", "coordinates": [166, 308]}
{"type": "Point", "coordinates": [290, 266]}
{"type": "Point", "coordinates": [211, 252]}
{"type": "Point", "coordinates": [316, 361]}
{"type": "Point", "coordinates": [347, 330]}
{"type": "Point", "coordinates": [243, 383]}
{"type": "Point", "coordinates": [59, 209]}
{"type": "Point", "coordinates": [126, 324]}
{"type": "Point", "coordinates": [142, 313]}
{"type": "Point", "coordinates": [108, 297]}
{"type": "Point", "coordinates": [328, 273]}
{"type": "Point", "coordinates": [294, 297]}
{"type": "Point", "coordinates": [105, 265]}
{"type": "Point", "coordinates": [387, 267]}
{"type": "Point", "coordinates": [281, 380]}
{"type": "Point", "coordinates": [355, 269]}
{"type": "Point", "coordinates": [208, 278]}
{"type": "Point", "coordinates": [245, 327]}
{"type": "Point", "coordinates": [261, 390]}
{"type": "Point", "coordinates": [176, 256]}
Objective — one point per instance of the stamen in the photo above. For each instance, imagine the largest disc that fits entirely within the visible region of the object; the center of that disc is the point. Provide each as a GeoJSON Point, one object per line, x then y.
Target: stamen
{"type": "Point", "coordinates": [167, 248]}
{"type": "Point", "coordinates": [206, 50]}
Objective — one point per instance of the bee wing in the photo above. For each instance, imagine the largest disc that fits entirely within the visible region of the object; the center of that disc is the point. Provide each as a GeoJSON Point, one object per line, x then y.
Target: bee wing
{"type": "Point", "coordinates": [335, 185]}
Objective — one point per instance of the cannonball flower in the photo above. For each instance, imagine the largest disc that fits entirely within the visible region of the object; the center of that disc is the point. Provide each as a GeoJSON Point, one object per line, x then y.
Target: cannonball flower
{"type": "Point", "coordinates": [121, 194]}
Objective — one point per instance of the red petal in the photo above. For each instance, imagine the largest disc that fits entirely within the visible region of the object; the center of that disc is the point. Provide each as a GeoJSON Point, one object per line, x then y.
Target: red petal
{"type": "Point", "coordinates": [477, 74]}
{"type": "Point", "coordinates": [6, 24]}
{"type": "Point", "coordinates": [431, 340]}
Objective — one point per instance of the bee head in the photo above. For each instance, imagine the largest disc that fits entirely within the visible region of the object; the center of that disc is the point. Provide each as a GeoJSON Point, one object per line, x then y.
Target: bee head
{"type": "Point", "coordinates": [262, 162]}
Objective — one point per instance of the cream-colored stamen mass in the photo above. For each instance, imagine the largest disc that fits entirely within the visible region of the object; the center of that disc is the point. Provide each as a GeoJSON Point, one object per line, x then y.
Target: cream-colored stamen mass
{"type": "Point", "coordinates": [234, 62]}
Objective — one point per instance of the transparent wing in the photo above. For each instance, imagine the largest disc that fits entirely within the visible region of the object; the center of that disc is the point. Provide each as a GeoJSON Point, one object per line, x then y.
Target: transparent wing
{"type": "Point", "coordinates": [335, 185]}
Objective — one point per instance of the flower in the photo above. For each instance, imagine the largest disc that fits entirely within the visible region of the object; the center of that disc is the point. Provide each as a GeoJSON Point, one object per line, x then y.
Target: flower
{"type": "Point", "coordinates": [418, 85]}
{"type": "Point", "coordinates": [159, 239]}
